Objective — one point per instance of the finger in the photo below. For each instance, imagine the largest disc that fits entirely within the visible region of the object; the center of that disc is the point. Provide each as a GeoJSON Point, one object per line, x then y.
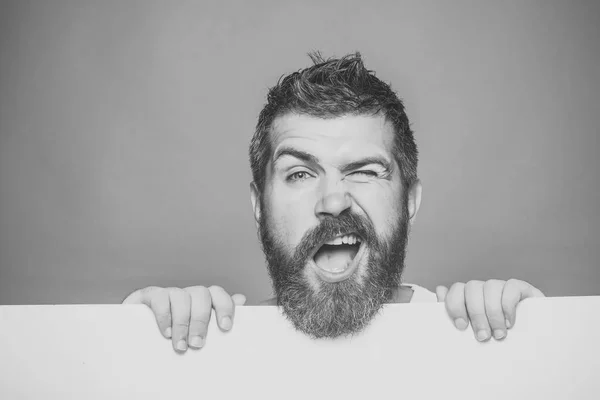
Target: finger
{"type": "Point", "coordinates": [141, 296]}
{"type": "Point", "coordinates": [224, 307]}
{"type": "Point", "coordinates": [181, 304]}
{"type": "Point", "coordinates": [514, 292]}
{"type": "Point", "coordinates": [492, 293]}
{"type": "Point", "coordinates": [476, 309]}
{"type": "Point", "coordinates": [134, 298]}
{"type": "Point", "coordinates": [441, 292]}
{"type": "Point", "coordinates": [239, 299]}
{"type": "Point", "coordinates": [158, 300]}
{"type": "Point", "coordinates": [199, 316]}
{"type": "Point", "coordinates": [455, 305]}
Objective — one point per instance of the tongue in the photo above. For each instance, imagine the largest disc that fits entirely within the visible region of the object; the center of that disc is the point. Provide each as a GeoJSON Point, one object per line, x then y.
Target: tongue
{"type": "Point", "coordinates": [335, 258]}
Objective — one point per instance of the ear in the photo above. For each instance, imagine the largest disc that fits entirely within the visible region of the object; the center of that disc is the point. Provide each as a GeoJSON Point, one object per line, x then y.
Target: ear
{"type": "Point", "coordinates": [255, 199]}
{"type": "Point", "coordinates": [414, 200]}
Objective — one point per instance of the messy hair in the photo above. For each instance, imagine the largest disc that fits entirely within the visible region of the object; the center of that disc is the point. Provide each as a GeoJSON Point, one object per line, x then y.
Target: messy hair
{"type": "Point", "coordinates": [328, 89]}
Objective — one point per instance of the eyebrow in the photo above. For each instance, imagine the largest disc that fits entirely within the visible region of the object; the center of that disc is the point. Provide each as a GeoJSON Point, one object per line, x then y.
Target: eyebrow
{"type": "Point", "coordinates": [381, 161]}
{"type": "Point", "coordinates": [299, 154]}
{"type": "Point", "coordinates": [311, 159]}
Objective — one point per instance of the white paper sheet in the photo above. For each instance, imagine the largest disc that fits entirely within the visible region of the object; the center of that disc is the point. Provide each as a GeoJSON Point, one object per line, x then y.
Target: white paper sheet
{"type": "Point", "coordinates": [409, 351]}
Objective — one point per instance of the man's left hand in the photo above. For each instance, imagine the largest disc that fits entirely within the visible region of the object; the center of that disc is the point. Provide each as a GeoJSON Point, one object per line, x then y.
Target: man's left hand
{"type": "Point", "coordinates": [490, 306]}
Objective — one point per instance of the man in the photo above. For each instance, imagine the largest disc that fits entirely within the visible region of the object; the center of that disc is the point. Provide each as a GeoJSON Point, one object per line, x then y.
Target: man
{"type": "Point", "coordinates": [334, 193]}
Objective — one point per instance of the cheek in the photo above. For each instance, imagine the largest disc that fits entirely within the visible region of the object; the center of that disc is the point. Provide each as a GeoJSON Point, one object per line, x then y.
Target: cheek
{"type": "Point", "coordinates": [383, 206]}
{"type": "Point", "coordinates": [290, 218]}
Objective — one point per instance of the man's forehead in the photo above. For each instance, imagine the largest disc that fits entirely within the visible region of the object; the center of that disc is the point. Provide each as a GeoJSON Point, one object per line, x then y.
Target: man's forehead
{"type": "Point", "coordinates": [356, 134]}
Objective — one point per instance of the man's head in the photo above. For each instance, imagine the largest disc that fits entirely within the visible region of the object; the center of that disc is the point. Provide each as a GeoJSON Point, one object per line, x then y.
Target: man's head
{"type": "Point", "coordinates": [334, 191]}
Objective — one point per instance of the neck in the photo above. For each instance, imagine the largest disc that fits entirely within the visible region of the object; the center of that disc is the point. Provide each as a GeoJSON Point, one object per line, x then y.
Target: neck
{"type": "Point", "coordinates": [402, 294]}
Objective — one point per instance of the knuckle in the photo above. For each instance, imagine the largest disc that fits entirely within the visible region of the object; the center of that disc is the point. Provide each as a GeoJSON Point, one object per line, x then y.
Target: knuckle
{"type": "Point", "coordinates": [200, 298]}
{"type": "Point", "coordinates": [457, 286]}
{"type": "Point", "coordinates": [493, 282]}
{"type": "Point", "coordinates": [195, 289]}
{"type": "Point", "coordinates": [180, 297]}
{"type": "Point", "coordinates": [478, 316]}
{"type": "Point", "coordinates": [199, 324]}
{"type": "Point", "coordinates": [474, 284]}
{"type": "Point", "coordinates": [515, 282]}
{"type": "Point", "coordinates": [150, 289]}
{"type": "Point", "coordinates": [149, 293]}
{"type": "Point", "coordinates": [480, 321]}
{"type": "Point", "coordinates": [216, 288]}
{"type": "Point", "coordinates": [181, 325]}
{"type": "Point", "coordinates": [496, 322]}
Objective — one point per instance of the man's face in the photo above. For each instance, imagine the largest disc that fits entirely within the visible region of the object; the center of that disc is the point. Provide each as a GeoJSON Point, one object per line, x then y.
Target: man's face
{"type": "Point", "coordinates": [333, 220]}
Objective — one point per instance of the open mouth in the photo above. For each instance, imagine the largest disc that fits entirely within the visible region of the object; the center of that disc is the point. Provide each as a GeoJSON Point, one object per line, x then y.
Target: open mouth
{"type": "Point", "coordinates": [338, 258]}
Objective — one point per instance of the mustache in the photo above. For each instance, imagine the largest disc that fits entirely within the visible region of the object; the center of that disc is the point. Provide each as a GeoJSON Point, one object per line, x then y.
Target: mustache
{"type": "Point", "coordinates": [330, 227]}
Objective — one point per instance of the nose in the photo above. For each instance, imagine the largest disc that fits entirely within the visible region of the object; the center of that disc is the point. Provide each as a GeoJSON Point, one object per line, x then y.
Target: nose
{"type": "Point", "coordinates": [333, 204]}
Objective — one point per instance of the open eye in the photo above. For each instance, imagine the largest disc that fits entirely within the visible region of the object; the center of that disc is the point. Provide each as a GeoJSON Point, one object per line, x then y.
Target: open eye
{"type": "Point", "coordinates": [298, 176]}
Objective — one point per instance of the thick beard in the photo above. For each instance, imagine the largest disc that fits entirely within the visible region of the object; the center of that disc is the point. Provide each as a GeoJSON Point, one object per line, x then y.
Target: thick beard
{"type": "Point", "coordinates": [341, 308]}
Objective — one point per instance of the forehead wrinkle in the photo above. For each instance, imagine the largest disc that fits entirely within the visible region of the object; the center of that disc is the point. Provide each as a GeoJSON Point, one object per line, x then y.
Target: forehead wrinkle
{"type": "Point", "coordinates": [344, 151]}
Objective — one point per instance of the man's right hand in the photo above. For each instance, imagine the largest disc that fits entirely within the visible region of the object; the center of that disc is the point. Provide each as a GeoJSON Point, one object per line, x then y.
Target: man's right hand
{"type": "Point", "coordinates": [183, 315]}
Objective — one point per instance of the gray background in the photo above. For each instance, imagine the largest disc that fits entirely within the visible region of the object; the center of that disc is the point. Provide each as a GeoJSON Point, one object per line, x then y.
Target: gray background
{"type": "Point", "coordinates": [124, 129]}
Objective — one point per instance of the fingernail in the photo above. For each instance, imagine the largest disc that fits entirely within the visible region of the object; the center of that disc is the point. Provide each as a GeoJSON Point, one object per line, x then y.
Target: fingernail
{"type": "Point", "coordinates": [226, 323]}
{"type": "Point", "coordinates": [196, 341]}
{"type": "Point", "coordinates": [482, 335]}
{"type": "Point", "coordinates": [507, 323]}
{"type": "Point", "coordinates": [460, 324]}
{"type": "Point", "coordinates": [182, 345]}
{"type": "Point", "coordinates": [168, 332]}
{"type": "Point", "coordinates": [498, 334]}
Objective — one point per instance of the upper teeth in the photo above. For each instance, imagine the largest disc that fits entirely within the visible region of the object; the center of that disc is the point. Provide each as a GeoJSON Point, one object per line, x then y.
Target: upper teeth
{"type": "Point", "coordinates": [346, 239]}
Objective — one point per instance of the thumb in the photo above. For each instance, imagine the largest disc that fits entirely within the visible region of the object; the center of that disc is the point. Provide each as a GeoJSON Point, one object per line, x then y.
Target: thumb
{"type": "Point", "coordinates": [441, 292]}
{"type": "Point", "coordinates": [239, 299]}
